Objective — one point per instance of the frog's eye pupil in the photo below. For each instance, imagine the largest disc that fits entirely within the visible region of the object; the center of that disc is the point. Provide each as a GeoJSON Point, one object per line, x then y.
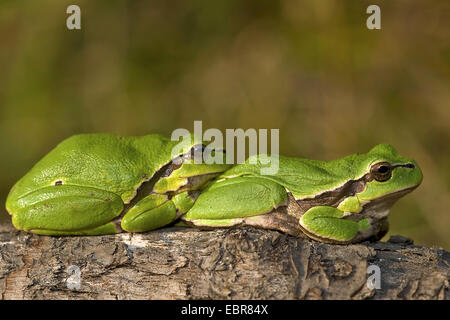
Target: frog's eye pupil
{"type": "Point", "coordinates": [383, 169]}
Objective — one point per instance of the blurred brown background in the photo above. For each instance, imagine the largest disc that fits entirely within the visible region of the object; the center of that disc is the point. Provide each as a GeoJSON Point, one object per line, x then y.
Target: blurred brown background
{"type": "Point", "coordinates": [310, 68]}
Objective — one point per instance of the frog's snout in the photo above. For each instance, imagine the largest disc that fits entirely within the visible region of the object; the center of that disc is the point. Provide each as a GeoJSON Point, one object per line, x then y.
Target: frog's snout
{"type": "Point", "coordinates": [416, 172]}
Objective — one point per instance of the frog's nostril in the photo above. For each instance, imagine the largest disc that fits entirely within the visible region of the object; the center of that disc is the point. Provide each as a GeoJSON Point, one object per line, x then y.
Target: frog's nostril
{"type": "Point", "coordinates": [410, 165]}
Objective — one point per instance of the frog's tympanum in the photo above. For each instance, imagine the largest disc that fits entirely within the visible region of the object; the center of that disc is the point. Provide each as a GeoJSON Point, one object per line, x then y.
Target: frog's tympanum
{"type": "Point", "coordinates": [95, 184]}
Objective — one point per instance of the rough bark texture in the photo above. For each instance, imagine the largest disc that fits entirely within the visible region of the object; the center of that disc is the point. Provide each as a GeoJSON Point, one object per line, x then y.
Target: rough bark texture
{"type": "Point", "coordinates": [241, 263]}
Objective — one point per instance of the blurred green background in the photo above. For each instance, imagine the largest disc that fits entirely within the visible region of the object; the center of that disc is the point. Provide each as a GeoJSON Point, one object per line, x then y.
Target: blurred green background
{"type": "Point", "coordinates": [310, 68]}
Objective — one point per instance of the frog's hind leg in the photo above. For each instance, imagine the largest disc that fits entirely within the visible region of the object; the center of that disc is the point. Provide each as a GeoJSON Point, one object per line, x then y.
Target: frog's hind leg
{"type": "Point", "coordinates": [156, 211]}
{"type": "Point", "coordinates": [67, 210]}
{"type": "Point", "coordinates": [239, 201]}
{"type": "Point", "coordinates": [277, 219]}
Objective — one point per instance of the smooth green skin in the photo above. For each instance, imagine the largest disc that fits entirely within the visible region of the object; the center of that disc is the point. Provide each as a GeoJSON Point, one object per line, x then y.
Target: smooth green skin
{"type": "Point", "coordinates": [100, 174]}
{"type": "Point", "coordinates": [242, 191]}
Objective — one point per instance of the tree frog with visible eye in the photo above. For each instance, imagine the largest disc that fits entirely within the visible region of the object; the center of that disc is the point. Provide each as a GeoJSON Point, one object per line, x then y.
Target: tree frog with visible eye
{"type": "Point", "coordinates": [101, 183]}
{"type": "Point", "coordinates": [341, 201]}
{"type": "Point", "coordinates": [93, 184]}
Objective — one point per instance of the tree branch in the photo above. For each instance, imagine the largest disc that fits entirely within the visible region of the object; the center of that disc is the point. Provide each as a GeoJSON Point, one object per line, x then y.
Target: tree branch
{"type": "Point", "coordinates": [237, 263]}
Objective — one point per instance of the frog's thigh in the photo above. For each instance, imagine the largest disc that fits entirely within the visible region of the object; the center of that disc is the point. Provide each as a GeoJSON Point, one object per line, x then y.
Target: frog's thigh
{"type": "Point", "coordinates": [67, 210]}
{"type": "Point", "coordinates": [326, 222]}
{"type": "Point", "coordinates": [229, 201]}
{"type": "Point", "coordinates": [152, 212]}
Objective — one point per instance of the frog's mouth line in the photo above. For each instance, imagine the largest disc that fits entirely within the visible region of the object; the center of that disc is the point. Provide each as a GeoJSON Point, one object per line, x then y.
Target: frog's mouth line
{"type": "Point", "coordinates": [390, 197]}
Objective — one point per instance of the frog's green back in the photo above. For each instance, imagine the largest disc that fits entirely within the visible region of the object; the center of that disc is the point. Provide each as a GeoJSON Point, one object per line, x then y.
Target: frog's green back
{"type": "Point", "coordinates": [109, 162]}
{"type": "Point", "coordinates": [306, 178]}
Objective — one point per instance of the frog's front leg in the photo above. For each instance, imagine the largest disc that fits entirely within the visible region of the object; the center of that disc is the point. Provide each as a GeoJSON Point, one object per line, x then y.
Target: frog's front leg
{"type": "Point", "coordinates": [328, 224]}
{"type": "Point", "coordinates": [67, 210]}
{"type": "Point", "coordinates": [156, 210]}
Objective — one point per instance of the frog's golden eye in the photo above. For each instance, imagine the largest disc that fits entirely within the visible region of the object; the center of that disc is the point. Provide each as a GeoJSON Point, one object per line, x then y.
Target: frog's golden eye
{"type": "Point", "coordinates": [381, 171]}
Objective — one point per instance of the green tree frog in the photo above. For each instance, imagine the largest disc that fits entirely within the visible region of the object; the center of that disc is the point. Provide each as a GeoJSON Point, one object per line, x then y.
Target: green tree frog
{"type": "Point", "coordinates": [94, 184]}
{"type": "Point", "coordinates": [102, 183]}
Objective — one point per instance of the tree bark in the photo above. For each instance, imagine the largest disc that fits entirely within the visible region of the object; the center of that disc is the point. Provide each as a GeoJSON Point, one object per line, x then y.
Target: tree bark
{"type": "Point", "coordinates": [236, 263]}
